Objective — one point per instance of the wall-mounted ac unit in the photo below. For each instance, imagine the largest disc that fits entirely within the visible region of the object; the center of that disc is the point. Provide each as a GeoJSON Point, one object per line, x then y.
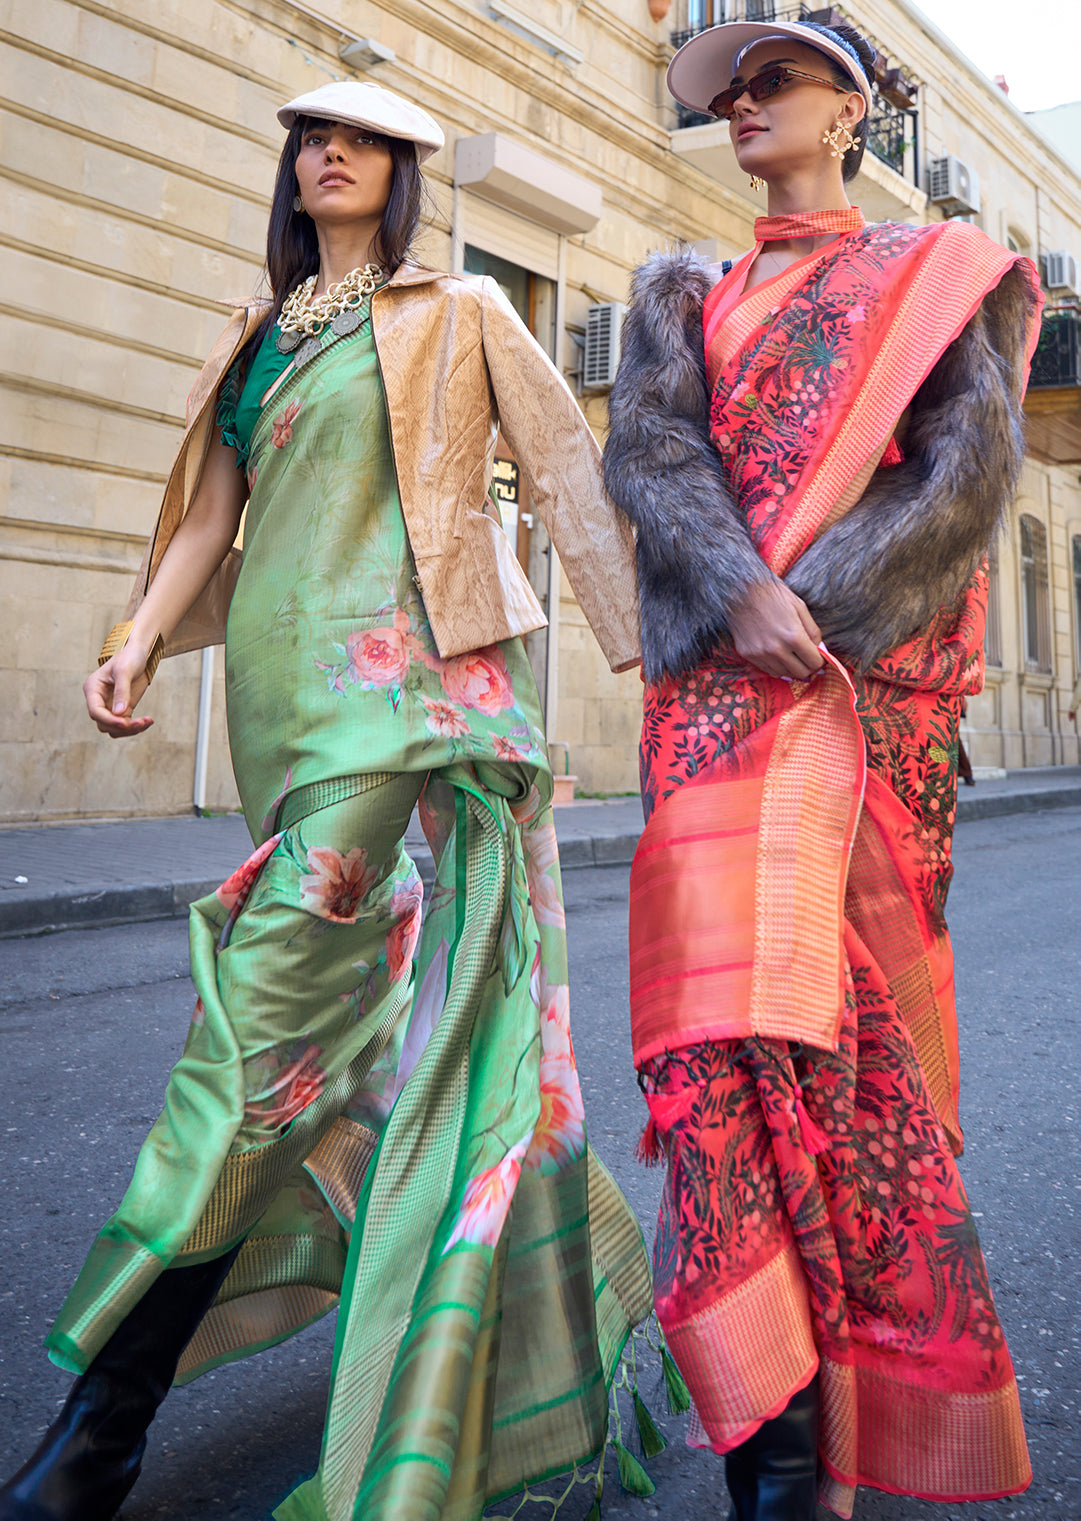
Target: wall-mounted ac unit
{"type": "Point", "coordinates": [604, 325]}
{"type": "Point", "coordinates": [953, 186]}
{"type": "Point", "coordinates": [1060, 272]}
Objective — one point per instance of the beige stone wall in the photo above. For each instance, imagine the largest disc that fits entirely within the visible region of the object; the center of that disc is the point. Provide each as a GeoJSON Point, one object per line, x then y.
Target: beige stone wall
{"type": "Point", "coordinates": [137, 152]}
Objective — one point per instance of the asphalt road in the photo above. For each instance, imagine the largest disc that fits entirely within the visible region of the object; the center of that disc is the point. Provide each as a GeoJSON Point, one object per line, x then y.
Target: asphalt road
{"type": "Point", "coordinates": [90, 1021]}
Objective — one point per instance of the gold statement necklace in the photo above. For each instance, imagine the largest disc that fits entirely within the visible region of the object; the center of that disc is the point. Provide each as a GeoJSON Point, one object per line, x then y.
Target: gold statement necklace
{"type": "Point", "coordinates": [343, 306]}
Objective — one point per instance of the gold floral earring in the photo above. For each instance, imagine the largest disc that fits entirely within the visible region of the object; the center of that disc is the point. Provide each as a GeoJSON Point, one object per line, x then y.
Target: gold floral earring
{"type": "Point", "coordinates": [839, 140]}
{"type": "Point", "coordinates": [757, 183]}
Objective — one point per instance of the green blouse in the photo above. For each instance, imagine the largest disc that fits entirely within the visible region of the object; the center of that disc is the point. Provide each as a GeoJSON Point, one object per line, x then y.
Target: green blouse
{"type": "Point", "coordinates": [239, 405]}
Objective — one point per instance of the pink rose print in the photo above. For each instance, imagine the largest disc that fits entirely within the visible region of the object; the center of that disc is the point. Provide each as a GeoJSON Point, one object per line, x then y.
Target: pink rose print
{"type": "Point", "coordinates": [478, 680]}
{"type": "Point", "coordinates": [381, 655]}
{"type": "Point", "coordinates": [444, 719]}
{"type": "Point", "coordinates": [282, 427]}
{"type": "Point", "coordinates": [506, 749]}
{"type": "Point", "coordinates": [233, 892]}
{"type": "Point", "coordinates": [487, 1200]}
{"type": "Point", "coordinates": [560, 1136]}
{"type": "Point", "coordinates": [294, 1087]}
{"type": "Point", "coordinates": [541, 854]}
{"type": "Point", "coordinates": [338, 884]}
{"type": "Point", "coordinates": [402, 940]}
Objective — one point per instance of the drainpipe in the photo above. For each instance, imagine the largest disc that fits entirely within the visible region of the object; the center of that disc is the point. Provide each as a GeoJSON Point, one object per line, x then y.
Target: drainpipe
{"type": "Point", "coordinates": [202, 731]}
{"type": "Point", "coordinates": [551, 648]}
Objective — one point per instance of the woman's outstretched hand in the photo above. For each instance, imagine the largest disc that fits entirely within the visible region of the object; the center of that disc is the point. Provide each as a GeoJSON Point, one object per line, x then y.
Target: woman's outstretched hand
{"type": "Point", "coordinates": [113, 691]}
{"type": "Point", "coordinates": [772, 630]}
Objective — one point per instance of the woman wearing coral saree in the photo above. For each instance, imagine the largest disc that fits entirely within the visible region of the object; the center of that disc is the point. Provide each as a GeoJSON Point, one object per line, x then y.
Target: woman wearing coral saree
{"type": "Point", "coordinates": [360, 1100]}
{"type": "Point", "coordinates": [816, 447]}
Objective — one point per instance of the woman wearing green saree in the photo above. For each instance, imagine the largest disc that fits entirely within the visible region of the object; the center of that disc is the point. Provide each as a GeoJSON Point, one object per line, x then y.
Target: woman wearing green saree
{"type": "Point", "coordinates": [373, 1105]}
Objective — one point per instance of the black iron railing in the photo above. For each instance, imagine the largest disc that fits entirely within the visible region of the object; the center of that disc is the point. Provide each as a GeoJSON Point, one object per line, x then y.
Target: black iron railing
{"type": "Point", "coordinates": [1057, 361]}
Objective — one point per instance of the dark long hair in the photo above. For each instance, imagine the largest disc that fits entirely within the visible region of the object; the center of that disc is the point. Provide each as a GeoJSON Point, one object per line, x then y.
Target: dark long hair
{"type": "Point", "coordinates": [292, 248]}
{"type": "Point", "coordinates": [866, 54]}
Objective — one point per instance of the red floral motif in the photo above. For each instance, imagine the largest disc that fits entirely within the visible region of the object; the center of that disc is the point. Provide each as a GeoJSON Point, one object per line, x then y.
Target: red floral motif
{"type": "Point", "coordinates": [506, 749]}
{"type": "Point", "coordinates": [444, 719]}
{"type": "Point", "coordinates": [487, 1200]}
{"type": "Point", "coordinates": [338, 883]}
{"type": "Point", "coordinates": [478, 680]}
{"type": "Point", "coordinates": [541, 855]}
{"type": "Point", "coordinates": [406, 903]}
{"type": "Point", "coordinates": [560, 1135]}
{"type": "Point", "coordinates": [380, 656]}
{"type": "Point", "coordinates": [233, 892]}
{"type": "Point", "coordinates": [282, 426]}
{"type": "Point", "coordinates": [292, 1089]}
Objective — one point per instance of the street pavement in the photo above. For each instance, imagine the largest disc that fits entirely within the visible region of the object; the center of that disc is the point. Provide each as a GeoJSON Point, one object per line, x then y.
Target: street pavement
{"type": "Point", "coordinates": [68, 876]}
{"type": "Point", "coordinates": [91, 1019]}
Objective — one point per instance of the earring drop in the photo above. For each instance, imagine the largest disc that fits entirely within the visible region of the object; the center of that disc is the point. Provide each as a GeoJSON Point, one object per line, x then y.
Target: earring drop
{"type": "Point", "coordinates": [757, 183]}
{"type": "Point", "coordinates": [839, 140]}
{"type": "Point", "coordinates": [298, 204]}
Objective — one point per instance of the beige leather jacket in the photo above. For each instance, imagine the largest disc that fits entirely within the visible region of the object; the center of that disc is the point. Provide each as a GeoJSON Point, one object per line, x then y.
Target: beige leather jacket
{"type": "Point", "coordinates": [456, 363]}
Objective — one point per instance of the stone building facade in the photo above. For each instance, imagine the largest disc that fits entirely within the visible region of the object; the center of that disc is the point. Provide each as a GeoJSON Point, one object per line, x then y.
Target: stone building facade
{"type": "Point", "coordinates": [137, 155]}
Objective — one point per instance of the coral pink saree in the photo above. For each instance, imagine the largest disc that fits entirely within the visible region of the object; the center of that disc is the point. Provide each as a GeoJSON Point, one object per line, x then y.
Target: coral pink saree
{"type": "Point", "coordinates": [791, 973]}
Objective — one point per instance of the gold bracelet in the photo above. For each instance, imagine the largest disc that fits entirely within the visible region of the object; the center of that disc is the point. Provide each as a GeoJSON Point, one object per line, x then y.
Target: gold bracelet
{"type": "Point", "coordinates": [118, 637]}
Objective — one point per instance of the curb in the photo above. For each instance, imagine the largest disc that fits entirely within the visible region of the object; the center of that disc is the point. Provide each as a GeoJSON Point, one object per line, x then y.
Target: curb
{"type": "Point", "coordinates": [969, 808]}
{"type": "Point", "coordinates": [139, 903]}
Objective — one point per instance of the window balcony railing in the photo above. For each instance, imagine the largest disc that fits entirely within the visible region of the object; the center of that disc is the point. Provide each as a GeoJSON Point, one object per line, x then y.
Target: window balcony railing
{"type": "Point", "coordinates": [1057, 360]}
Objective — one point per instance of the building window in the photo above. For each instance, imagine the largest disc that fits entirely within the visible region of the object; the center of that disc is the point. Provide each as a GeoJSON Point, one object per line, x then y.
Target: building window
{"type": "Point", "coordinates": [1077, 599]}
{"type": "Point", "coordinates": [1016, 241]}
{"type": "Point", "coordinates": [1035, 595]}
{"type": "Point", "coordinates": [532, 296]}
{"type": "Point", "coordinates": [992, 638]}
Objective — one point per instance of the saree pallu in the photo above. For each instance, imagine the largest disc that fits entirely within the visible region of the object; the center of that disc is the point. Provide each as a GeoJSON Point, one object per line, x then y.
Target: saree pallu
{"type": "Point", "coordinates": [791, 975]}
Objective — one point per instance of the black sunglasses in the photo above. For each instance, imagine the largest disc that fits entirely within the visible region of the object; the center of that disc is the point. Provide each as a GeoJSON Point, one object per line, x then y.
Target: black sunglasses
{"type": "Point", "coordinates": [762, 85]}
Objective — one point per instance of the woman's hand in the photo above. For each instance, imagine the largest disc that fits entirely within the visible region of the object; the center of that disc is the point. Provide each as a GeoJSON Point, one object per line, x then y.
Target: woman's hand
{"type": "Point", "coordinates": [113, 691]}
{"type": "Point", "coordinates": [197, 548]}
{"type": "Point", "coordinates": [772, 629]}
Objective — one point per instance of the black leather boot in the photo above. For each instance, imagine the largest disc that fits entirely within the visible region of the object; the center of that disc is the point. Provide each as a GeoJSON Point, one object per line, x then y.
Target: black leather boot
{"type": "Point", "coordinates": [773, 1476]}
{"type": "Point", "coordinates": [90, 1456]}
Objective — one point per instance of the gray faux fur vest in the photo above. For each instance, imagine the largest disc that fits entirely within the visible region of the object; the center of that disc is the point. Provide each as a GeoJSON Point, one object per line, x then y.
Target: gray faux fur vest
{"type": "Point", "coordinates": [906, 549]}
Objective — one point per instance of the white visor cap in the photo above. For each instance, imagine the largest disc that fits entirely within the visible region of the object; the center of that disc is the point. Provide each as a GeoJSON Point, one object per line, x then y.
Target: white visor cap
{"type": "Point", "coordinates": [704, 65]}
{"type": "Point", "coordinates": [363, 104]}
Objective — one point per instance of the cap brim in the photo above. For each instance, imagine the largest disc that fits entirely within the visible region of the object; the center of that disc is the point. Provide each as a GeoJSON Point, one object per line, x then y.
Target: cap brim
{"type": "Point", "coordinates": [704, 65]}
{"type": "Point", "coordinates": [287, 115]}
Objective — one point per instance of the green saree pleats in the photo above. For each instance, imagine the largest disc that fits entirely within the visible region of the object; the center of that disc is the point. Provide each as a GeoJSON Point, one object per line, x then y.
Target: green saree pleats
{"type": "Point", "coordinates": [400, 1124]}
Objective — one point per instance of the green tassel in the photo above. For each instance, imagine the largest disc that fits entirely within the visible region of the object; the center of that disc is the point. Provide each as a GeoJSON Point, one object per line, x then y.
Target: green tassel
{"type": "Point", "coordinates": [679, 1396]}
{"type": "Point", "coordinates": [632, 1475]}
{"type": "Point", "coordinates": [594, 1511]}
{"type": "Point", "coordinates": [648, 1435]}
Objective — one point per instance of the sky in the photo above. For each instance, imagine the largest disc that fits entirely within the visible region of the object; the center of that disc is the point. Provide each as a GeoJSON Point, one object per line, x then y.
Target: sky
{"type": "Point", "coordinates": [1036, 44]}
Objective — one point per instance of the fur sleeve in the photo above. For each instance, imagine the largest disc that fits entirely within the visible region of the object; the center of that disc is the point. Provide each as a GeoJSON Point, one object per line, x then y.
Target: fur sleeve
{"type": "Point", "coordinates": [913, 540]}
{"type": "Point", "coordinates": [695, 554]}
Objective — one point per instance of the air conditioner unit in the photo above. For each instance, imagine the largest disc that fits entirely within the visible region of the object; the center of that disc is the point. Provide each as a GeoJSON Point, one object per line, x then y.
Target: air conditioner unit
{"type": "Point", "coordinates": [604, 324]}
{"type": "Point", "coordinates": [953, 186]}
{"type": "Point", "coordinates": [1060, 272]}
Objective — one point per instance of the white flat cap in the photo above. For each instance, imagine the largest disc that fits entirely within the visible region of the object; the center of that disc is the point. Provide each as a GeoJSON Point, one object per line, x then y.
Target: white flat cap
{"type": "Point", "coordinates": [363, 104]}
{"type": "Point", "coordinates": [705, 64]}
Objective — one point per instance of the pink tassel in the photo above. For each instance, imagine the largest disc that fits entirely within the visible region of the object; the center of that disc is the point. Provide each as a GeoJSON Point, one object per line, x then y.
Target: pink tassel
{"type": "Point", "coordinates": [815, 1140]}
{"type": "Point", "coordinates": [665, 1110]}
{"type": "Point", "coordinates": [649, 1148]}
